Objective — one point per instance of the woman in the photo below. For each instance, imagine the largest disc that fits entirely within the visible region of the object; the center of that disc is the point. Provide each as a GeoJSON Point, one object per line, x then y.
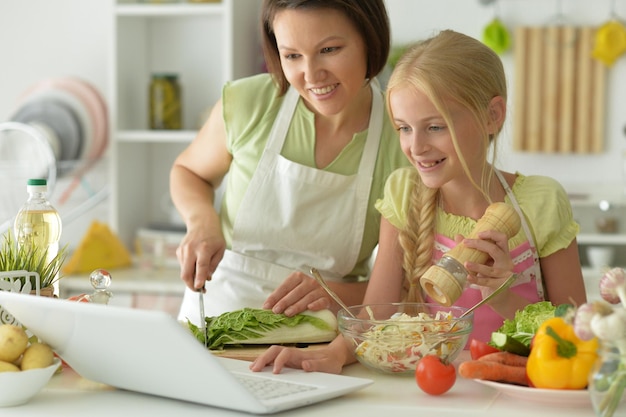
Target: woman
{"type": "Point", "coordinates": [447, 98]}
{"type": "Point", "coordinates": [307, 149]}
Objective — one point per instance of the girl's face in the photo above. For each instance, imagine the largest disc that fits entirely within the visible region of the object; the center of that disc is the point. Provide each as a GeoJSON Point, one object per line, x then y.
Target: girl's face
{"type": "Point", "coordinates": [426, 140]}
{"type": "Point", "coordinates": [323, 56]}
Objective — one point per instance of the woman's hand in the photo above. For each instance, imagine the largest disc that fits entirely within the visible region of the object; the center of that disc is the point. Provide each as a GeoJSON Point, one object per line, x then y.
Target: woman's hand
{"type": "Point", "coordinates": [195, 175]}
{"type": "Point", "coordinates": [330, 359]}
{"type": "Point", "coordinates": [199, 253]}
{"type": "Point", "coordinates": [297, 293]}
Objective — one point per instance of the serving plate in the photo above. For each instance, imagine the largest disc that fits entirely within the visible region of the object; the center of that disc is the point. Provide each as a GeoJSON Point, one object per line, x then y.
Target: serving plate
{"type": "Point", "coordinates": [541, 395]}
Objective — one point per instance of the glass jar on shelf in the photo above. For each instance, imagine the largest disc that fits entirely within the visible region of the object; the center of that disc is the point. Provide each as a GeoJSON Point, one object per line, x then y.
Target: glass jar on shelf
{"type": "Point", "coordinates": [165, 102]}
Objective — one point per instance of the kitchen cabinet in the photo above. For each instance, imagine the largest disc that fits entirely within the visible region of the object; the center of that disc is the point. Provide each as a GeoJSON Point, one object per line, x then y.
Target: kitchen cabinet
{"type": "Point", "coordinates": [205, 44]}
{"type": "Point", "coordinates": [601, 214]}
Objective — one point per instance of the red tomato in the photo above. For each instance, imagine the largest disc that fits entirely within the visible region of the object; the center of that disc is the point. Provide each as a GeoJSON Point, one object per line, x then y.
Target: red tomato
{"type": "Point", "coordinates": [433, 376]}
{"type": "Point", "coordinates": [479, 348]}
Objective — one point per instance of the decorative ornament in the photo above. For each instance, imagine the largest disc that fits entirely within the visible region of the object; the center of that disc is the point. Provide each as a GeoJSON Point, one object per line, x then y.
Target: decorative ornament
{"type": "Point", "coordinates": [496, 36]}
{"type": "Point", "coordinates": [610, 42]}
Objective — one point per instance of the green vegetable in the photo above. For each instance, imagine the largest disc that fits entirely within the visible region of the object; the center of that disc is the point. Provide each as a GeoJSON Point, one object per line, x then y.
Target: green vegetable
{"type": "Point", "coordinates": [564, 310]}
{"type": "Point", "coordinates": [257, 326]}
{"type": "Point", "coordinates": [527, 321]}
{"type": "Point", "coordinates": [507, 343]}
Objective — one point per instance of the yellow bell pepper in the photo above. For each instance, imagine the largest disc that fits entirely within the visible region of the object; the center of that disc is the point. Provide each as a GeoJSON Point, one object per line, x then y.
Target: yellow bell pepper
{"type": "Point", "coordinates": [558, 358]}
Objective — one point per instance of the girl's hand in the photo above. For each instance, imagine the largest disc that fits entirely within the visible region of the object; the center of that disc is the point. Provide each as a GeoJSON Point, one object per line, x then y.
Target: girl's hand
{"type": "Point", "coordinates": [199, 253]}
{"type": "Point", "coordinates": [318, 360]}
{"type": "Point", "coordinates": [297, 293]}
{"type": "Point", "coordinates": [500, 265]}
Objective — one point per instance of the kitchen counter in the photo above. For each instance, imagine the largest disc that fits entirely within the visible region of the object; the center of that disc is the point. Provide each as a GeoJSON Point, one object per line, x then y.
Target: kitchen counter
{"type": "Point", "coordinates": [152, 289]}
{"type": "Point", "coordinates": [68, 395]}
{"type": "Point", "coordinates": [129, 280]}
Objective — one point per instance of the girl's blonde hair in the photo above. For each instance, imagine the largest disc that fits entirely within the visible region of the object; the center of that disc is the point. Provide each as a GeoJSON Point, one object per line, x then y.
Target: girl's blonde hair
{"type": "Point", "coordinates": [456, 67]}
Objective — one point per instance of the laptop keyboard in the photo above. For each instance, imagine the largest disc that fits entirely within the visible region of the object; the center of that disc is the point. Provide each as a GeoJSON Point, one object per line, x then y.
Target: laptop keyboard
{"type": "Point", "coordinates": [267, 389]}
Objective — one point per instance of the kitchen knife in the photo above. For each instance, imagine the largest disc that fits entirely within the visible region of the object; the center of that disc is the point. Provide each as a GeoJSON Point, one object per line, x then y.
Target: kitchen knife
{"type": "Point", "coordinates": [202, 317]}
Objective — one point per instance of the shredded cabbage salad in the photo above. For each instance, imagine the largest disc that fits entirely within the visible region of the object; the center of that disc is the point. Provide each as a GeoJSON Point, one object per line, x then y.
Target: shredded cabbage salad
{"type": "Point", "coordinates": [399, 344]}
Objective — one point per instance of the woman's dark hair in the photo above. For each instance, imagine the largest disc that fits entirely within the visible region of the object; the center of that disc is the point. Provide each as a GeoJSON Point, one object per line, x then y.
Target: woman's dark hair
{"type": "Point", "coordinates": [368, 16]}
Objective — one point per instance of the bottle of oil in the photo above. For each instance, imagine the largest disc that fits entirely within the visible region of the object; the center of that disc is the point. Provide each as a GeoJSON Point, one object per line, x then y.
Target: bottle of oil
{"type": "Point", "coordinates": [38, 223]}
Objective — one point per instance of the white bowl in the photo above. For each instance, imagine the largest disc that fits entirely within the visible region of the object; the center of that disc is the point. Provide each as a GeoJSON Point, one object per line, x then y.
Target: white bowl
{"type": "Point", "coordinates": [19, 387]}
{"type": "Point", "coordinates": [601, 256]}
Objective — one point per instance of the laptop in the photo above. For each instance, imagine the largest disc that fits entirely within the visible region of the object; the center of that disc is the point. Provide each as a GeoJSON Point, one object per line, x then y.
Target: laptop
{"type": "Point", "coordinates": [151, 352]}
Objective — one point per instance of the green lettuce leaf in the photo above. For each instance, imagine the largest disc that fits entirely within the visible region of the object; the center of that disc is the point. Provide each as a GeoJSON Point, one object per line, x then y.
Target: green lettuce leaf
{"type": "Point", "coordinates": [258, 326]}
{"type": "Point", "coordinates": [527, 321]}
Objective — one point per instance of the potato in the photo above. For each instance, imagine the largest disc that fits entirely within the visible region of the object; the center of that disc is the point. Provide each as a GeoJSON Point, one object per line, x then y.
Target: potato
{"type": "Point", "coordinates": [37, 355]}
{"type": "Point", "coordinates": [13, 342]}
{"type": "Point", "coordinates": [8, 367]}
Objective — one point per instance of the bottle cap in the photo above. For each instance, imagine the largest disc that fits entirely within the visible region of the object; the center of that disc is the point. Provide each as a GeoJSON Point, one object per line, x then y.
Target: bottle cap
{"type": "Point", "coordinates": [37, 185]}
{"type": "Point", "coordinates": [165, 75]}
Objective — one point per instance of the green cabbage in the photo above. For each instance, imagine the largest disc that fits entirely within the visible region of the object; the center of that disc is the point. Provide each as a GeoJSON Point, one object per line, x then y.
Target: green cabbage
{"type": "Point", "coordinates": [257, 326]}
{"type": "Point", "coordinates": [527, 321]}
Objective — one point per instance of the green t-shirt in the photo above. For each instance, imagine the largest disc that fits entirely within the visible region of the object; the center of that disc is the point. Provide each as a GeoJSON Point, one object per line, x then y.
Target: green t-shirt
{"type": "Point", "coordinates": [250, 106]}
{"type": "Point", "coordinates": [543, 202]}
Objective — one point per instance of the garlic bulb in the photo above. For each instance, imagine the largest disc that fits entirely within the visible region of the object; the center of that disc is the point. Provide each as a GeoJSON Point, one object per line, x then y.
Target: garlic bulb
{"type": "Point", "coordinates": [613, 286]}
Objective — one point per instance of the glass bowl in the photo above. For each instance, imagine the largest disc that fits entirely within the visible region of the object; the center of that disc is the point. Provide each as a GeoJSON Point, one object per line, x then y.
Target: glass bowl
{"type": "Point", "coordinates": [392, 338]}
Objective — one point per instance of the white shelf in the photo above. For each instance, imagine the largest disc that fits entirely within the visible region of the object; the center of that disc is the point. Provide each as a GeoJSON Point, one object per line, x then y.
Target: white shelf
{"type": "Point", "coordinates": [590, 195]}
{"type": "Point", "coordinates": [206, 45]}
{"type": "Point", "coordinates": [601, 239]}
{"type": "Point", "coordinates": [157, 136]}
{"type": "Point", "coordinates": [167, 10]}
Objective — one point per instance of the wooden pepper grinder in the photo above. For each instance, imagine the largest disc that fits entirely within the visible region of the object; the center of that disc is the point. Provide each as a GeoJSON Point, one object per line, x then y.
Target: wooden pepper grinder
{"type": "Point", "coordinates": [446, 280]}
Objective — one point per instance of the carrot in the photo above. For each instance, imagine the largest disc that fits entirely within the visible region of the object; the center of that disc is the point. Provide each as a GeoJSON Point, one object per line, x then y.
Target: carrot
{"type": "Point", "coordinates": [505, 358]}
{"type": "Point", "coordinates": [493, 371]}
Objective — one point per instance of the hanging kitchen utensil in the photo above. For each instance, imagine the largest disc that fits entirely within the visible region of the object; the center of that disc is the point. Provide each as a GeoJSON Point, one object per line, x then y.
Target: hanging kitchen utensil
{"type": "Point", "coordinates": [495, 34]}
{"type": "Point", "coordinates": [610, 40]}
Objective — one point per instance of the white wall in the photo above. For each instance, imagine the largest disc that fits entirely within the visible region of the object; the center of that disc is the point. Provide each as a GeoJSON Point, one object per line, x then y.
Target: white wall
{"type": "Point", "coordinates": [49, 38]}
{"type": "Point", "coordinates": [46, 38]}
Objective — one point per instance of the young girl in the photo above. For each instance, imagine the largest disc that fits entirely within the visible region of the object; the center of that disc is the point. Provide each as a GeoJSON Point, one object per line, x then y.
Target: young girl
{"type": "Point", "coordinates": [447, 98]}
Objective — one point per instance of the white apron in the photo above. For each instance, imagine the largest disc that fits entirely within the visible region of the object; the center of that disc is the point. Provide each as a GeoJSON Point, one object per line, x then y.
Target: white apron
{"type": "Point", "coordinates": [309, 218]}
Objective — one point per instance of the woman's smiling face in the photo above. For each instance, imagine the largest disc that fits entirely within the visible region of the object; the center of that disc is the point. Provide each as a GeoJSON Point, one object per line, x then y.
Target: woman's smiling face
{"type": "Point", "coordinates": [426, 138]}
{"type": "Point", "coordinates": [323, 56]}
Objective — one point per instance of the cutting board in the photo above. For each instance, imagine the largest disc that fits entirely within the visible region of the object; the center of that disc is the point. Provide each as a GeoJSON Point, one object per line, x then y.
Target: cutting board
{"type": "Point", "coordinates": [559, 91]}
{"type": "Point", "coordinates": [251, 352]}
